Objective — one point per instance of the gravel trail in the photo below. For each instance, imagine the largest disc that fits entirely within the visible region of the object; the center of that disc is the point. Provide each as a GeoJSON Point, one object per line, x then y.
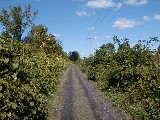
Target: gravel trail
{"type": "Point", "coordinates": [80, 100]}
{"type": "Point", "coordinates": [68, 111]}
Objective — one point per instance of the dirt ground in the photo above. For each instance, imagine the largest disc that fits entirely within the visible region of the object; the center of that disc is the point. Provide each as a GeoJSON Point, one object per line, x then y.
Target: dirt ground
{"type": "Point", "coordinates": [80, 100]}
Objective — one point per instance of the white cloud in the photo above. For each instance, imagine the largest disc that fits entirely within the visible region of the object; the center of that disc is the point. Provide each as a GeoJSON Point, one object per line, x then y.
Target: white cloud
{"type": "Point", "coordinates": [123, 23]}
{"type": "Point", "coordinates": [100, 3]}
{"type": "Point", "coordinates": [91, 28]}
{"type": "Point", "coordinates": [147, 18]}
{"type": "Point", "coordinates": [137, 2]}
{"type": "Point", "coordinates": [99, 44]}
{"type": "Point", "coordinates": [103, 4]}
{"type": "Point", "coordinates": [118, 5]}
{"type": "Point", "coordinates": [57, 35]}
{"type": "Point", "coordinates": [157, 16]}
{"type": "Point", "coordinates": [108, 37]}
{"type": "Point", "coordinates": [83, 13]}
{"type": "Point", "coordinates": [95, 38]}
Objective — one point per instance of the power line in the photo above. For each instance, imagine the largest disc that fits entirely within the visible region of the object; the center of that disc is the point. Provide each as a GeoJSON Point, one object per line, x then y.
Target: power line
{"type": "Point", "coordinates": [124, 4]}
{"type": "Point", "coordinates": [99, 18]}
{"type": "Point", "coordinates": [100, 13]}
{"type": "Point", "coordinates": [102, 19]}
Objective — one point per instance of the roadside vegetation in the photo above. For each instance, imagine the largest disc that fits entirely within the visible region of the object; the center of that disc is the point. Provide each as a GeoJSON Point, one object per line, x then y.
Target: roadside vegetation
{"type": "Point", "coordinates": [30, 67]}
{"type": "Point", "coordinates": [129, 75]}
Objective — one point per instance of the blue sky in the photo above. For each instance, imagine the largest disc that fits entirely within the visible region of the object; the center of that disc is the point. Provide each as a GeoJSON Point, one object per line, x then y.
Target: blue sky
{"type": "Point", "coordinates": [84, 25]}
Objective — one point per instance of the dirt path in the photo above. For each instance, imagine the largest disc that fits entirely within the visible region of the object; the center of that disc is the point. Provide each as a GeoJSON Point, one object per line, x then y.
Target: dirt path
{"type": "Point", "coordinates": [81, 101]}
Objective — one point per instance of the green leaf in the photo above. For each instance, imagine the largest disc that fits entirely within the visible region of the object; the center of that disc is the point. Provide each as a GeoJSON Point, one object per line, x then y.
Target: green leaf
{"type": "Point", "coordinates": [1, 47]}
{"type": "Point", "coordinates": [15, 65]}
{"type": "Point", "coordinates": [1, 88]}
{"type": "Point", "coordinates": [14, 105]}
{"type": "Point", "coordinates": [34, 111]}
{"type": "Point", "coordinates": [1, 95]}
{"type": "Point", "coordinates": [9, 114]}
{"type": "Point", "coordinates": [39, 108]}
{"type": "Point", "coordinates": [3, 115]}
{"type": "Point", "coordinates": [6, 60]}
{"type": "Point", "coordinates": [31, 103]}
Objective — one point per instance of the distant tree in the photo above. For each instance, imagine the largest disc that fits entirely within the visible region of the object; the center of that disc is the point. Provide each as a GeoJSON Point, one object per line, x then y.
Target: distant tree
{"type": "Point", "coordinates": [105, 49]}
{"type": "Point", "coordinates": [16, 21]}
{"type": "Point", "coordinates": [159, 48]}
{"type": "Point", "coordinates": [74, 56]}
{"type": "Point", "coordinates": [5, 34]}
{"type": "Point", "coordinates": [124, 44]}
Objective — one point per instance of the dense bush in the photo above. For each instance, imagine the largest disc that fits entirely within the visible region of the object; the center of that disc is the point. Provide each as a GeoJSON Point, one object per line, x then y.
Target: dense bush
{"type": "Point", "coordinates": [28, 80]}
{"type": "Point", "coordinates": [30, 68]}
{"type": "Point", "coordinates": [129, 75]}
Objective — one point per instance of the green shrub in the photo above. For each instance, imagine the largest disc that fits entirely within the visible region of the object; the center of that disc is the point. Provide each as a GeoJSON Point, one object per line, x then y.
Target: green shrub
{"type": "Point", "coordinates": [28, 80]}
{"type": "Point", "coordinates": [130, 76]}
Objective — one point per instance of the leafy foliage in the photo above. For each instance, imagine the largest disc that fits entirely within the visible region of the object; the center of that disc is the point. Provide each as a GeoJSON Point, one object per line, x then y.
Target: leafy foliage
{"type": "Point", "coordinates": [16, 21]}
{"type": "Point", "coordinates": [30, 70]}
{"type": "Point", "coordinates": [28, 80]}
{"type": "Point", "coordinates": [129, 75]}
{"type": "Point", "coordinates": [39, 38]}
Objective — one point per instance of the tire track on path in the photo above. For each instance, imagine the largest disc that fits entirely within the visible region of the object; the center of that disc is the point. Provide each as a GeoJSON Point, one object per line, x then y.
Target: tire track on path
{"type": "Point", "coordinates": [67, 110]}
{"type": "Point", "coordinates": [90, 100]}
{"type": "Point", "coordinates": [81, 101]}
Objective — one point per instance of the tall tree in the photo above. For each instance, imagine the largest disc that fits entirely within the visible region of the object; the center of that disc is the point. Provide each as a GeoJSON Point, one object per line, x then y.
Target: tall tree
{"type": "Point", "coordinates": [39, 38]}
{"type": "Point", "coordinates": [16, 21]}
{"type": "Point", "coordinates": [37, 34]}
